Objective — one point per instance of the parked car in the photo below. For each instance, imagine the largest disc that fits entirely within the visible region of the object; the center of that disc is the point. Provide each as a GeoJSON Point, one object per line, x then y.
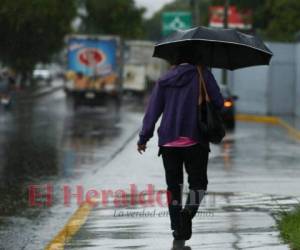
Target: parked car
{"type": "Point", "coordinates": [228, 111]}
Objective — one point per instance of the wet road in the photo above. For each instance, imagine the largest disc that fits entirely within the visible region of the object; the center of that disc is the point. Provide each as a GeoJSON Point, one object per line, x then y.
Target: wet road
{"type": "Point", "coordinates": [42, 141]}
{"type": "Point", "coordinates": [252, 175]}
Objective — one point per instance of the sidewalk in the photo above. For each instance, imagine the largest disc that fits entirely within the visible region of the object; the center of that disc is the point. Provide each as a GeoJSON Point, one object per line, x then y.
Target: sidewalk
{"type": "Point", "coordinates": [248, 185]}
{"type": "Point", "coordinates": [27, 94]}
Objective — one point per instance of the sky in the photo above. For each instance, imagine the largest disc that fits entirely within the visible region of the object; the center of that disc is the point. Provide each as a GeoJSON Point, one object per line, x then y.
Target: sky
{"type": "Point", "coordinates": [151, 5]}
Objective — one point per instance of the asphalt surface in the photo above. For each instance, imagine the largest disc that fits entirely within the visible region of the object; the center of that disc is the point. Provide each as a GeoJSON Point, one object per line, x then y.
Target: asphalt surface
{"type": "Point", "coordinates": [253, 176]}
{"type": "Point", "coordinates": [44, 142]}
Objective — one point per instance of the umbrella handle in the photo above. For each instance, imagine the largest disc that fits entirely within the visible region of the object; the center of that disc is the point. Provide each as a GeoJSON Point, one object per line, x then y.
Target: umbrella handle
{"type": "Point", "coordinates": [202, 86]}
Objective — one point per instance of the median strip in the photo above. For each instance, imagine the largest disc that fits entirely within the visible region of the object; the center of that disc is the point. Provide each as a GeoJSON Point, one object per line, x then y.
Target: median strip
{"type": "Point", "coordinates": [71, 227]}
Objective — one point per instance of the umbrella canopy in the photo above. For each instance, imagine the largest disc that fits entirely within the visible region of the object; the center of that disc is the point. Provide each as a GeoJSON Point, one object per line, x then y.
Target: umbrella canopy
{"type": "Point", "coordinates": [216, 48]}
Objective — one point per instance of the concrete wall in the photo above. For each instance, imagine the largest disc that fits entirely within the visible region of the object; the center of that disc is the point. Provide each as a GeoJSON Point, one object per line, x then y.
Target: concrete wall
{"type": "Point", "coordinates": [297, 87]}
{"type": "Point", "coordinates": [273, 89]}
{"type": "Point", "coordinates": [251, 84]}
{"type": "Point", "coordinates": [282, 80]}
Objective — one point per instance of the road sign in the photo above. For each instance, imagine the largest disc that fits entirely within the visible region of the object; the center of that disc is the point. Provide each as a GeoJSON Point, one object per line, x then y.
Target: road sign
{"type": "Point", "coordinates": [172, 21]}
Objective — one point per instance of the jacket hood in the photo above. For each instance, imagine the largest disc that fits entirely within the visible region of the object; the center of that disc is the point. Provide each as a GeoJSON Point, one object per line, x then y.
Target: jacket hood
{"type": "Point", "coordinates": [178, 76]}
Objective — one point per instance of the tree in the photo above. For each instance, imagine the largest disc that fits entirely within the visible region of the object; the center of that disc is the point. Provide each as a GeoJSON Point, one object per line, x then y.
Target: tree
{"type": "Point", "coordinates": [32, 31]}
{"type": "Point", "coordinates": [276, 20]}
{"type": "Point", "coordinates": [117, 17]}
{"type": "Point", "coordinates": [284, 21]}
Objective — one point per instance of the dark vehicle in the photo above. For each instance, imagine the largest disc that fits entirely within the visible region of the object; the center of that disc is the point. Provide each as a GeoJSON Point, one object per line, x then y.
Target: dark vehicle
{"type": "Point", "coordinates": [228, 111]}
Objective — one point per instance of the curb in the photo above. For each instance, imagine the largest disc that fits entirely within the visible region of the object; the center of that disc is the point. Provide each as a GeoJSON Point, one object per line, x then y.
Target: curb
{"type": "Point", "coordinates": [71, 227]}
{"type": "Point", "coordinates": [50, 91]}
{"type": "Point", "coordinates": [40, 94]}
{"type": "Point", "coordinates": [257, 118]}
{"type": "Point", "coordinates": [293, 132]}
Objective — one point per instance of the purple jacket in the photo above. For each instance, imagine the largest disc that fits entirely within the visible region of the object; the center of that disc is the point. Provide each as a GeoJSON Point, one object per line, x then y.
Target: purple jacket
{"type": "Point", "coordinates": [175, 95]}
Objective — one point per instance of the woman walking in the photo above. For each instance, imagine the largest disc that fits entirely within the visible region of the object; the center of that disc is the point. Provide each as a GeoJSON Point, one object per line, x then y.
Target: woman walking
{"type": "Point", "coordinates": [176, 97]}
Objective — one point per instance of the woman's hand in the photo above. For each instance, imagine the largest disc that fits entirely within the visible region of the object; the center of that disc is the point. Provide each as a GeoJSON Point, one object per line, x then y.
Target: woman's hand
{"type": "Point", "coordinates": [141, 148]}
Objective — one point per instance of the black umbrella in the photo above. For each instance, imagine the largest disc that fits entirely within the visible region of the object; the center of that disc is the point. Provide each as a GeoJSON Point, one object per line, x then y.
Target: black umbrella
{"type": "Point", "coordinates": [216, 48]}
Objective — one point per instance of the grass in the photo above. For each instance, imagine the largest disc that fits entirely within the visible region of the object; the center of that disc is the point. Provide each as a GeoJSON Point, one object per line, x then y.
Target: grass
{"type": "Point", "coordinates": [289, 226]}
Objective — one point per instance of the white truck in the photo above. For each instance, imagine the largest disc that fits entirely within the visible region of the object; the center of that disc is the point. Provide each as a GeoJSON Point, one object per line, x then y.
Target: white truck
{"type": "Point", "coordinates": [140, 70]}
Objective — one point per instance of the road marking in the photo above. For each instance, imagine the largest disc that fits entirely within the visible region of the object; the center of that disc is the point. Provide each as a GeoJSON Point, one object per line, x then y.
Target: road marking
{"type": "Point", "coordinates": [257, 118]}
{"type": "Point", "coordinates": [71, 227]}
{"type": "Point", "coordinates": [293, 132]}
{"type": "Point", "coordinates": [82, 213]}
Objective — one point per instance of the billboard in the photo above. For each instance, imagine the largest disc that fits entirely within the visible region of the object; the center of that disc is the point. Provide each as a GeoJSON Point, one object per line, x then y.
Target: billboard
{"type": "Point", "coordinates": [92, 57]}
{"type": "Point", "coordinates": [236, 18]}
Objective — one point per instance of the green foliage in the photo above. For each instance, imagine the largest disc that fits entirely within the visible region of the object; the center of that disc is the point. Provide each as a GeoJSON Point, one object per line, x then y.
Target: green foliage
{"type": "Point", "coordinates": [284, 21]}
{"type": "Point", "coordinates": [276, 20]}
{"type": "Point", "coordinates": [289, 226]}
{"type": "Point", "coordinates": [32, 30]}
{"type": "Point", "coordinates": [114, 17]}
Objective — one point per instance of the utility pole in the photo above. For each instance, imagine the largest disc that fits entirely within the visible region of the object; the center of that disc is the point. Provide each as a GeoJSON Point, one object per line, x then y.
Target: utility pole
{"type": "Point", "coordinates": [225, 25]}
{"type": "Point", "coordinates": [226, 7]}
{"type": "Point", "coordinates": [196, 12]}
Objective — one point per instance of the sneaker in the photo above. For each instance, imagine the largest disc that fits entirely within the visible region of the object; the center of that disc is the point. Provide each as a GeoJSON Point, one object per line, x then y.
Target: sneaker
{"type": "Point", "coordinates": [185, 224]}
